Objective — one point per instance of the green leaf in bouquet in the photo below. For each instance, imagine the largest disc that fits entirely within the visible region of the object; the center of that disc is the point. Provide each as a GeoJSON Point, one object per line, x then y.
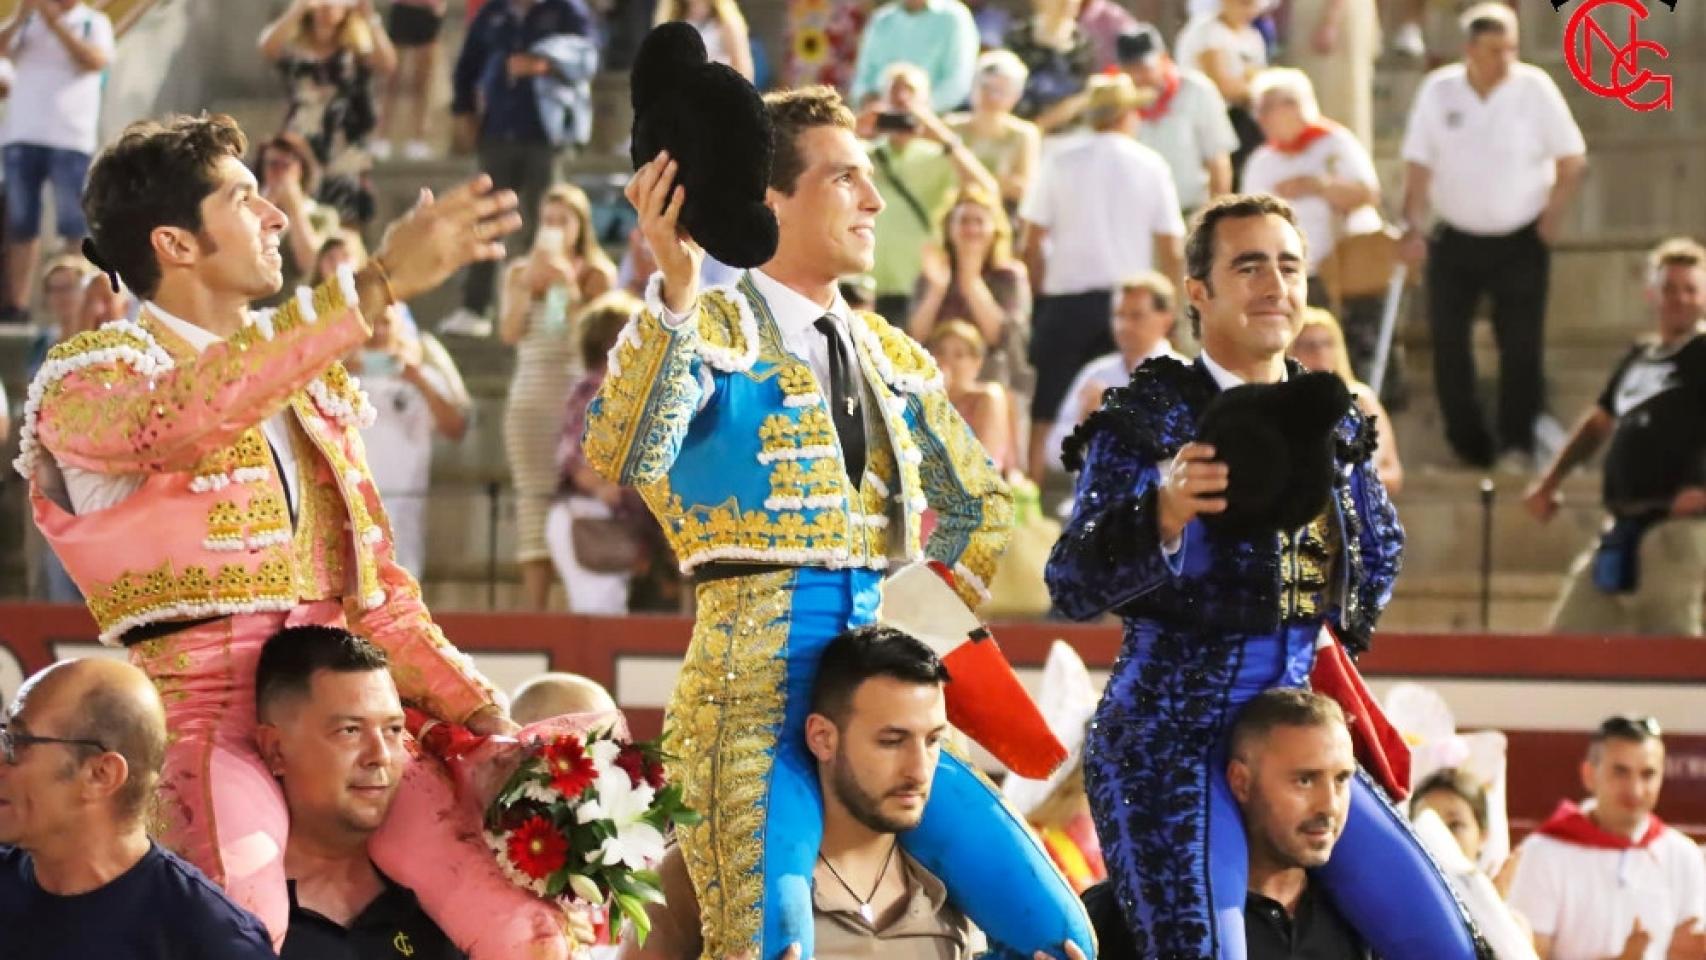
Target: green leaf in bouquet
{"type": "Point", "coordinates": [634, 909]}
{"type": "Point", "coordinates": [649, 892]}
{"type": "Point", "coordinates": [556, 882]}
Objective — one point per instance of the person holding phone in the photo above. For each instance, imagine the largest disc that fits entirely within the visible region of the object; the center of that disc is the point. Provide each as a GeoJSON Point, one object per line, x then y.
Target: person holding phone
{"type": "Point", "coordinates": [921, 166]}
{"type": "Point", "coordinates": [542, 295]}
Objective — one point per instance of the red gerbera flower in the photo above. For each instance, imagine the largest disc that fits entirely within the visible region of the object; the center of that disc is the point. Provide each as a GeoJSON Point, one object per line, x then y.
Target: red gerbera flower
{"type": "Point", "coordinates": [537, 848]}
{"type": "Point", "coordinates": [571, 770]}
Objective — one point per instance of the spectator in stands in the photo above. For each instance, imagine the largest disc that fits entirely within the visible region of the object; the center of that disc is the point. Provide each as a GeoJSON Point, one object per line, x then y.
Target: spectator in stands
{"type": "Point", "coordinates": [499, 112]}
{"type": "Point", "coordinates": [1140, 323]}
{"type": "Point", "coordinates": [720, 25]}
{"type": "Point", "coordinates": [1056, 51]}
{"type": "Point", "coordinates": [103, 303]}
{"type": "Point", "coordinates": [1315, 164]}
{"type": "Point", "coordinates": [921, 166]}
{"type": "Point", "coordinates": [331, 731]}
{"type": "Point", "coordinates": [1335, 42]}
{"type": "Point", "coordinates": [417, 394]}
{"type": "Point", "coordinates": [973, 276]}
{"type": "Point", "coordinates": [289, 177]}
{"type": "Point", "coordinates": [80, 751]}
{"type": "Point", "coordinates": [1609, 878]}
{"type": "Point", "coordinates": [877, 726]}
{"type": "Point", "coordinates": [1320, 345]}
{"type": "Point", "coordinates": [1104, 210]}
{"type": "Point", "coordinates": [1229, 50]}
{"type": "Point", "coordinates": [1493, 151]}
{"type": "Point", "coordinates": [637, 264]}
{"type": "Point", "coordinates": [596, 531]}
{"type": "Point", "coordinates": [62, 281]}
{"type": "Point", "coordinates": [1290, 771]}
{"type": "Point", "coordinates": [544, 293]}
{"type": "Point", "coordinates": [62, 284]}
{"type": "Point", "coordinates": [413, 27]}
{"type": "Point", "coordinates": [1007, 146]}
{"type": "Point", "coordinates": [1645, 575]}
{"type": "Point", "coordinates": [985, 406]}
{"type": "Point", "coordinates": [1186, 122]}
{"type": "Point", "coordinates": [329, 52]}
{"type": "Point", "coordinates": [1406, 37]}
{"type": "Point", "coordinates": [555, 694]}
{"type": "Point", "coordinates": [992, 19]}
{"type": "Point", "coordinates": [1460, 802]}
{"type": "Point", "coordinates": [1103, 23]}
{"type": "Point", "coordinates": [936, 36]}
{"type": "Point", "coordinates": [1329, 179]}
{"type": "Point", "coordinates": [58, 49]}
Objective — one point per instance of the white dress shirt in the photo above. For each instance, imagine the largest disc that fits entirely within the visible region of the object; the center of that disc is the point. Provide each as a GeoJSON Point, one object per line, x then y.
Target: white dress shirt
{"type": "Point", "coordinates": [795, 318]}
{"type": "Point", "coordinates": [1103, 198]}
{"type": "Point", "coordinates": [1338, 155]}
{"type": "Point", "coordinates": [1110, 370]}
{"type": "Point", "coordinates": [1493, 159]}
{"type": "Point", "coordinates": [89, 491]}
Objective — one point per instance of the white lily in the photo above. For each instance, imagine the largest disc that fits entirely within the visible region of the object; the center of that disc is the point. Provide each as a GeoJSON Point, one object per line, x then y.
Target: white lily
{"type": "Point", "coordinates": [637, 844]}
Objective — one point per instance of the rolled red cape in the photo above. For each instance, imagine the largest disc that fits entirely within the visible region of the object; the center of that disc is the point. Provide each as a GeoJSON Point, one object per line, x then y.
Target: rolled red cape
{"type": "Point", "coordinates": [1380, 748]}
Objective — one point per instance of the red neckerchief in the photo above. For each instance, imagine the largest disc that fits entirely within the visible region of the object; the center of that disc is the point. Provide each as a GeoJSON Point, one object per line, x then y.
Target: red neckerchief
{"type": "Point", "coordinates": [1169, 87]}
{"type": "Point", "coordinates": [1301, 142]}
{"type": "Point", "coordinates": [1569, 824]}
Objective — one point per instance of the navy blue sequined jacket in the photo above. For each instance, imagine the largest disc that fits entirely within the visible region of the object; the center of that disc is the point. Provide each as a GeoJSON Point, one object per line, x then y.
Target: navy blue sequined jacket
{"type": "Point", "coordinates": [1110, 558]}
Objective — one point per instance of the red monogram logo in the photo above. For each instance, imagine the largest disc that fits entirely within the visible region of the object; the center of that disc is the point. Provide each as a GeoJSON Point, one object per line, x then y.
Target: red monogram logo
{"type": "Point", "coordinates": [1627, 77]}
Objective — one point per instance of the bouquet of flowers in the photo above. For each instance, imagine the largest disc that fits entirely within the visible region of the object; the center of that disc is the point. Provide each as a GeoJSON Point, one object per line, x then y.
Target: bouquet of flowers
{"type": "Point", "coordinates": [559, 830]}
{"type": "Point", "coordinates": [583, 818]}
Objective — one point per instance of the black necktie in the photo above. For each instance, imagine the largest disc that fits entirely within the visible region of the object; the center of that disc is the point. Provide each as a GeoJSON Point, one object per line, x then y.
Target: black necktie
{"type": "Point", "coordinates": [844, 401]}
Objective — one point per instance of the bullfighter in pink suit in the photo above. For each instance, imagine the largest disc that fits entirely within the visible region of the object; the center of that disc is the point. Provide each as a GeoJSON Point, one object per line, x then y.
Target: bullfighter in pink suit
{"type": "Point", "coordinates": [199, 473]}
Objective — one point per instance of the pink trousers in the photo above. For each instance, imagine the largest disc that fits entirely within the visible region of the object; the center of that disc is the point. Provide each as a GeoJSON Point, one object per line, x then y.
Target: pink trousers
{"type": "Point", "coordinates": [219, 807]}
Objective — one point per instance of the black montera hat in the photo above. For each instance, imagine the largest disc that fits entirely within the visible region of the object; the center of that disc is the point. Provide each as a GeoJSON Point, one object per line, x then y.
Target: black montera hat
{"type": "Point", "coordinates": [1277, 441]}
{"type": "Point", "coordinates": [715, 126]}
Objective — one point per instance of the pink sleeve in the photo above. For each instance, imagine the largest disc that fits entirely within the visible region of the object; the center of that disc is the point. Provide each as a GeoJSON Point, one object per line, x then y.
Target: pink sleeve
{"type": "Point", "coordinates": [113, 401]}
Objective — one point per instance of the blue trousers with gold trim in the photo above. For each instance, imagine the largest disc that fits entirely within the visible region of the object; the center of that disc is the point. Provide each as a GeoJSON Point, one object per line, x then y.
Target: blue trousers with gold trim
{"type": "Point", "coordinates": [737, 731]}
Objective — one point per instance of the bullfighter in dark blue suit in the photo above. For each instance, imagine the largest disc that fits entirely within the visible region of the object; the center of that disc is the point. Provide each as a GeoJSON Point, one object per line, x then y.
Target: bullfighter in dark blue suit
{"type": "Point", "coordinates": [1226, 589]}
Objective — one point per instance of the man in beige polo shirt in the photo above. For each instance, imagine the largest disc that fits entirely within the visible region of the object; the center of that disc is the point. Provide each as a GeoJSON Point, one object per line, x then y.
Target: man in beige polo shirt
{"type": "Point", "coordinates": [877, 726]}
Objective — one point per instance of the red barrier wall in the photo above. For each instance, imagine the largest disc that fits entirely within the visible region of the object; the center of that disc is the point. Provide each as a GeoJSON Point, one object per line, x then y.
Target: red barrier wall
{"type": "Point", "coordinates": [1544, 759]}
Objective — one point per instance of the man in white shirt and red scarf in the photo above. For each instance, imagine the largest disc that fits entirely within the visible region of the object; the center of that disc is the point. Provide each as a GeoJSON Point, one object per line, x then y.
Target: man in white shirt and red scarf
{"type": "Point", "coordinates": [1608, 878]}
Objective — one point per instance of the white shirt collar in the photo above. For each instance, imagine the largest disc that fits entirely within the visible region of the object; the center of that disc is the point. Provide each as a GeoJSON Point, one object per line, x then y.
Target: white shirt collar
{"type": "Point", "coordinates": [794, 313]}
{"type": "Point", "coordinates": [1226, 379]}
{"type": "Point", "coordinates": [197, 337]}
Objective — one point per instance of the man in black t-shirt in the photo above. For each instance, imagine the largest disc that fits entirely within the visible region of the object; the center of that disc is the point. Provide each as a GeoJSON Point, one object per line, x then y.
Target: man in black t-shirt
{"type": "Point", "coordinates": [1290, 770]}
{"type": "Point", "coordinates": [1646, 574]}
{"type": "Point", "coordinates": [80, 751]}
{"type": "Point", "coordinates": [331, 731]}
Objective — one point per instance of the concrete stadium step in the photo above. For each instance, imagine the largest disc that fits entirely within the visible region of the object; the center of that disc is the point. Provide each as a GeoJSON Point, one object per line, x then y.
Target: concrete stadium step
{"type": "Point", "coordinates": [1451, 603]}
{"type": "Point", "coordinates": [1441, 508]}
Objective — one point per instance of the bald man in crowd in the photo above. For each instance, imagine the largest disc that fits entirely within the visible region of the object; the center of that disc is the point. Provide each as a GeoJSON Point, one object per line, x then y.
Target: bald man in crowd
{"type": "Point", "coordinates": [555, 694]}
{"type": "Point", "coordinates": [80, 751]}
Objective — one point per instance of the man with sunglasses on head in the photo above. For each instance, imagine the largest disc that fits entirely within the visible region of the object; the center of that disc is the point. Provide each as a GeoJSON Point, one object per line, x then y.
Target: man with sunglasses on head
{"type": "Point", "coordinates": [1607, 878]}
{"type": "Point", "coordinates": [80, 751]}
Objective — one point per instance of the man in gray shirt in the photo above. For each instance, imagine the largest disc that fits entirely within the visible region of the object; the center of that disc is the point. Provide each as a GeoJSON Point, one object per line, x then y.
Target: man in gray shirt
{"type": "Point", "coordinates": [1186, 123]}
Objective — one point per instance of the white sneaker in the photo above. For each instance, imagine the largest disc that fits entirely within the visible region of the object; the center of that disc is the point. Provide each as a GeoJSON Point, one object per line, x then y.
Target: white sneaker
{"type": "Point", "coordinates": [417, 150]}
{"type": "Point", "coordinates": [380, 148]}
{"type": "Point", "coordinates": [1408, 40]}
{"type": "Point", "coordinates": [465, 323]}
